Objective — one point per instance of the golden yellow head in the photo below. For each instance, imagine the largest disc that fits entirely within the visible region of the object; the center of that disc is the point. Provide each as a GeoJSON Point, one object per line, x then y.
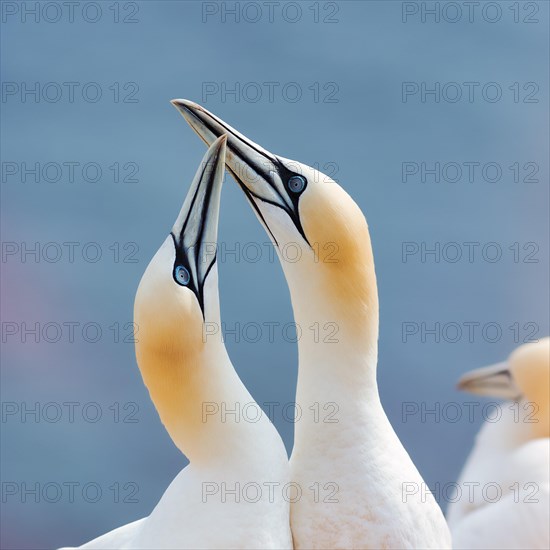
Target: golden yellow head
{"type": "Point", "coordinates": [530, 368]}
{"type": "Point", "coordinates": [524, 376]}
{"type": "Point", "coordinates": [321, 235]}
{"type": "Point", "coordinates": [177, 295]}
{"type": "Point", "coordinates": [168, 316]}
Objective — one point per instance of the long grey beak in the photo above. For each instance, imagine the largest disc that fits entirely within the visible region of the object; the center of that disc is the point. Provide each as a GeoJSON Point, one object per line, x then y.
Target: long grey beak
{"type": "Point", "coordinates": [195, 231]}
{"type": "Point", "coordinates": [261, 175]}
{"type": "Point", "coordinates": [494, 380]}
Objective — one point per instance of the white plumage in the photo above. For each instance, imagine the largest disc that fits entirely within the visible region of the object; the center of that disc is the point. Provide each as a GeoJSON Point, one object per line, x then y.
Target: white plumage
{"type": "Point", "coordinates": [189, 376]}
{"type": "Point", "coordinates": [510, 455]}
{"type": "Point", "coordinates": [351, 467]}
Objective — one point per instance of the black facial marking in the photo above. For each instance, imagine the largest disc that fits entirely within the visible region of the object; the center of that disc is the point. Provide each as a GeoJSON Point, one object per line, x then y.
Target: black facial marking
{"type": "Point", "coordinates": [283, 172]}
{"type": "Point", "coordinates": [182, 259]}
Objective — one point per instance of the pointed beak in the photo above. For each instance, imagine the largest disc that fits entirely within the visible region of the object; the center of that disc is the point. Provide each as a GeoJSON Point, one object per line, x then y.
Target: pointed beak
{"type": "Point", "coordinates": [494, 381]}
{"type": "Point", "coordinates": [195, 231]}
{"type": "Point", "coordinates": [261, 175]}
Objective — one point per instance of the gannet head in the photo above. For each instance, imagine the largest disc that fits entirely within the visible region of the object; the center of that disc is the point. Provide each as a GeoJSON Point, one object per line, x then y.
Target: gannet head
{"type": "Point", "coordinates": [178, 294]}
{"type": "Point", "coordinates": [524, 375]}
{"type": "Point", "coordinates": [320, 233]}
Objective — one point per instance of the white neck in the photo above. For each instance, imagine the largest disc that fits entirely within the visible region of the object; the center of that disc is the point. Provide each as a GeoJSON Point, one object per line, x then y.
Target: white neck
{"type": "Point", "coordinates": [338, 351]}
{"type": "Point", "coordinates": [190, 378]}
{"type": "Point", "coordinates": [344, 441]}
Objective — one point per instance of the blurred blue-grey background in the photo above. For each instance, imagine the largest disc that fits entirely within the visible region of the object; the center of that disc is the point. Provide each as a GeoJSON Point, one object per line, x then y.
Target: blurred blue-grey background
{"type": "Point", "coordinates": [344, 86]}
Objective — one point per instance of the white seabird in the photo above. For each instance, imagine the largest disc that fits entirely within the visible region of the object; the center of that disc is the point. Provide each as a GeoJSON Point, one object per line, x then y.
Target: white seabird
{"type": "Point", "coordinates": [505, 484]}
{"type": "Point", "coordinates": [230, 495]}
{"type": "Point", "coordinates": [347, 460]}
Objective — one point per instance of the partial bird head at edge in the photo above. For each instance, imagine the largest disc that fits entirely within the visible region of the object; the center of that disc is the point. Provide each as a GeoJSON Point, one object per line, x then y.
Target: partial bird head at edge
{"type": "Point", "coordinates": [525, 376]}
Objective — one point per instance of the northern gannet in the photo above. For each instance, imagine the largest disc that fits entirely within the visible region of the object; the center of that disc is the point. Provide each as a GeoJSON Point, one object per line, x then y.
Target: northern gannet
{"type": "Point", "coordinates": [505, 485]}
{"type": "Point", "coordinates": [348, 462]}
{"type": "Point", "coordinates": [231, 493]}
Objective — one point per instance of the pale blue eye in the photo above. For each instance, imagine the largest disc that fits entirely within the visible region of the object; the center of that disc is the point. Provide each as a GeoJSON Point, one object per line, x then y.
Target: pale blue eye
{"type": "Point", "coordinates": [182, 275]}
{"type": "Point", "coordinates": [296, 184]}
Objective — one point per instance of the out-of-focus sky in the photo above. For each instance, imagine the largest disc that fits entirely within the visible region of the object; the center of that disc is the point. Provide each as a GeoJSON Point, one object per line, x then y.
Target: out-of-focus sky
{"type": "Point", "coordinates": [376, 94]}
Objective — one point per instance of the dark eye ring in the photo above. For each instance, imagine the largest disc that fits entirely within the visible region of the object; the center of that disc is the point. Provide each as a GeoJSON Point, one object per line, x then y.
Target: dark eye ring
{"type": "Point", "coordinates": [181, 274]}
{"type": "Point", "coordinates": [296, 184]}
